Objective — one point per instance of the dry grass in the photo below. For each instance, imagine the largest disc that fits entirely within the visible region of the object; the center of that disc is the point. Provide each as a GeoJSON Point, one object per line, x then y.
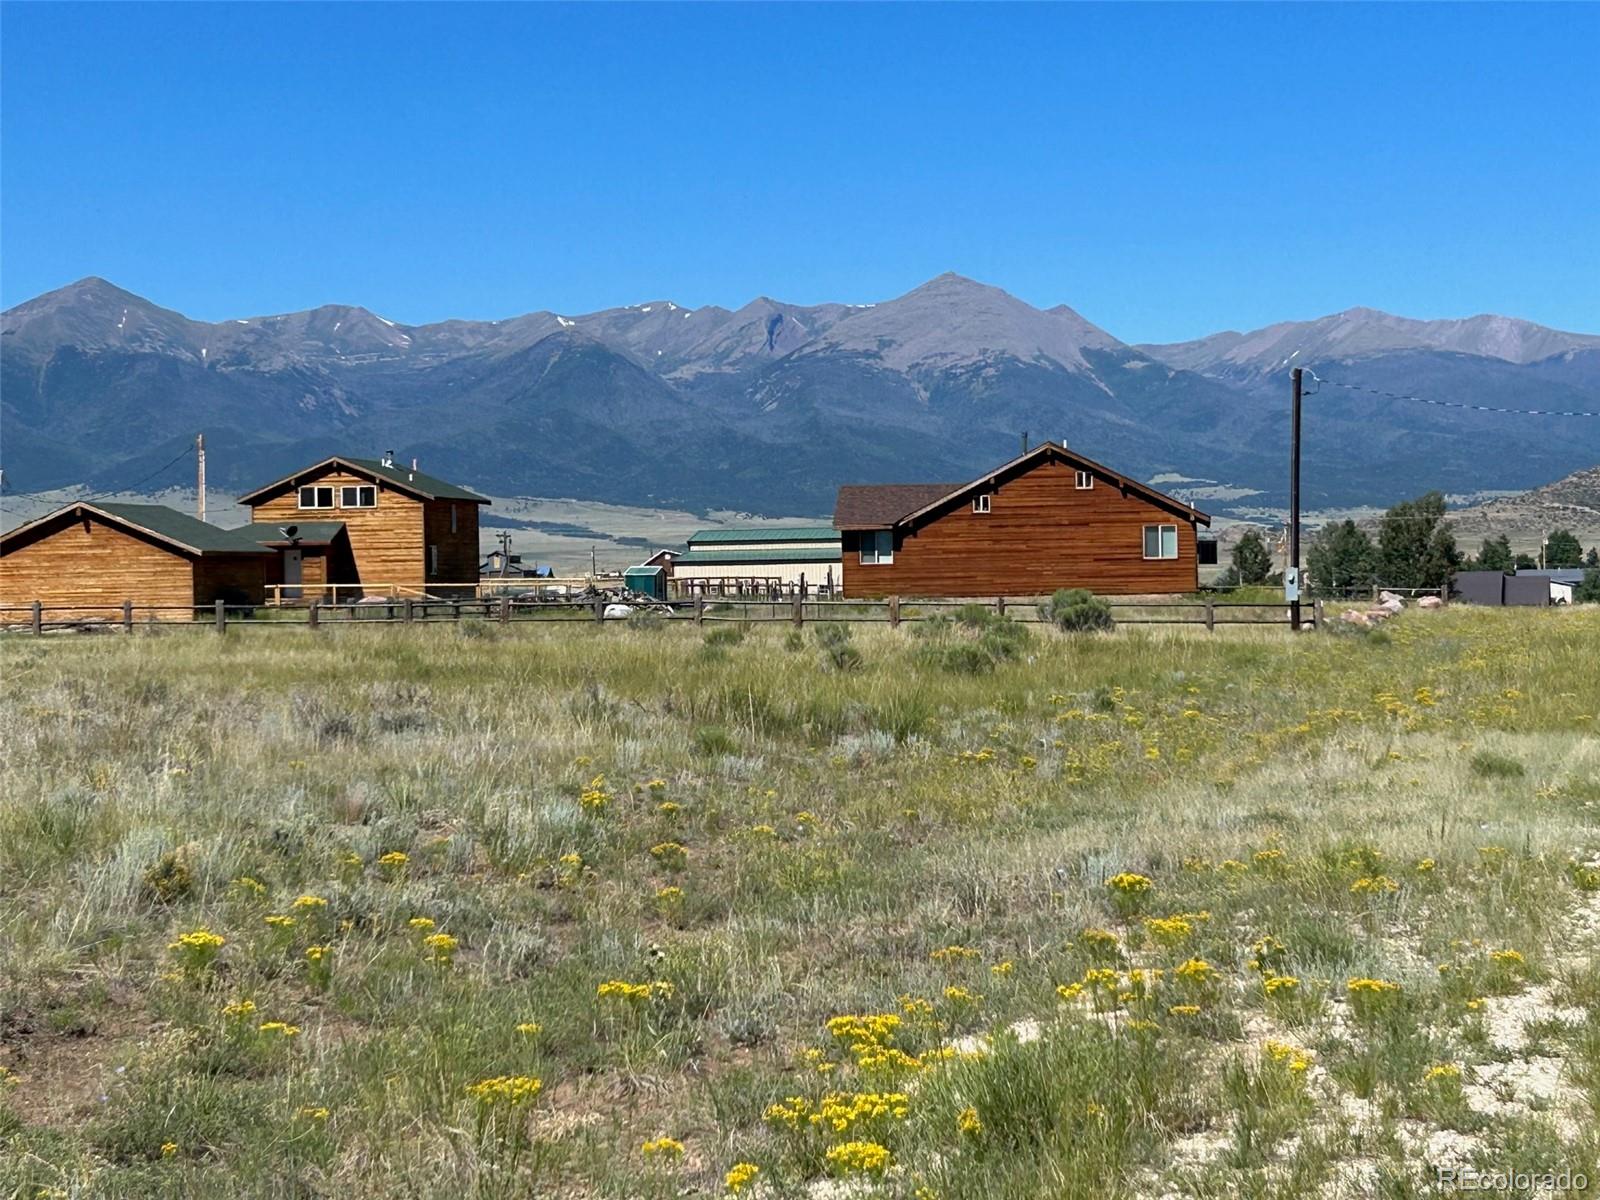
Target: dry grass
{"type": "Point", "coordinates": [782, 843]}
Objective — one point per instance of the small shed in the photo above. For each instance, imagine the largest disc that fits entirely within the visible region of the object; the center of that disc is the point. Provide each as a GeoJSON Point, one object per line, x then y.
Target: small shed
{"type": "Point", "coordinates": [84, 560]}
{"type": "Point", "coordinates": [647, 581]}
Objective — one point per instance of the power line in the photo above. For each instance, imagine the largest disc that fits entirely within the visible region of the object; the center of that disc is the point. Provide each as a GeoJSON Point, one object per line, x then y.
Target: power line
{"type": "Point", "coordinates": [1490, 408]}
{"type": "Point", "coordinates": [187, 451]}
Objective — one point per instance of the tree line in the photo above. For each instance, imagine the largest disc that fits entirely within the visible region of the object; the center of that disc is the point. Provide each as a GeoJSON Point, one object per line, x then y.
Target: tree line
{"type": "Point", "coordinates": [1414, 548]}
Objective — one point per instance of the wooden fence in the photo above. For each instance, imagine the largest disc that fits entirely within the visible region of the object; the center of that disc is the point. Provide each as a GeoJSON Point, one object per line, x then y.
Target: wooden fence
{"type": "Point", "coordinates": [504, 610]}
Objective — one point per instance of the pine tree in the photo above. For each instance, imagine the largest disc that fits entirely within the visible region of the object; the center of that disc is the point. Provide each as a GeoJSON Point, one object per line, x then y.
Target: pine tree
{"type": "Point", "coordinates": [1252, 561]}
{"type": "Point", "coordinates": [1561, 549]}
{"type": "Point", "coordinates": [1415, 547]}
{"type": "Point", "coordinates": [1495, 555]}
{"type": "Point", "coordinates": [1341, 559]}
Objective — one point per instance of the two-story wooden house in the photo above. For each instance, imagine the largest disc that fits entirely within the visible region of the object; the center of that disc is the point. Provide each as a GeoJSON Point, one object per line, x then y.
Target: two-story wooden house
{"type": "Point", "coordinates": [369, 525]}
{"type": "Point", "coordinates": [1045, 520]}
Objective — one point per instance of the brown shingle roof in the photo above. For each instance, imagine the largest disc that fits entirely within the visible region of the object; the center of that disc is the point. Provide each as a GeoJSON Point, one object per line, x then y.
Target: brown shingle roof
{"type": "Point", "coordinates": [880, 505]}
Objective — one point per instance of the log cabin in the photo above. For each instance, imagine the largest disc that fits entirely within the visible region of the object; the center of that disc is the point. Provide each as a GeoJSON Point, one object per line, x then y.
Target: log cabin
{"type": "Point", "coordinates": [1048, 519]}
{"type": "Point", "coordinates": [85, 560]}
{"type": "Point", "coordinates": [369, 526]}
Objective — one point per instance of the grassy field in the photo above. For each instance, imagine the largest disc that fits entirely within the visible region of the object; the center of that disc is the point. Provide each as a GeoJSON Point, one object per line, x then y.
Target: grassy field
{"type": "Point", "coordinates": [656, 912]}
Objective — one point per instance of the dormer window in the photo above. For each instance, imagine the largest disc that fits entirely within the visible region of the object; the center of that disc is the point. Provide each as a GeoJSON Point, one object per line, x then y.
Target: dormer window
{"type": "Point", "coordinates": [980, 504]}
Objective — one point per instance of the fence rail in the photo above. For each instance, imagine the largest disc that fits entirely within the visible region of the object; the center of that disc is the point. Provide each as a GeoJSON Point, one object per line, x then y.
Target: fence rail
{"type": "Point", "coordinates": [798, 610]}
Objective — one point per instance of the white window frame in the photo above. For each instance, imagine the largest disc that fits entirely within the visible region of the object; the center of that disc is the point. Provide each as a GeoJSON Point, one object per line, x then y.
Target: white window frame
{"type": "Point", "coordinates": [983, 503]}
{"type": "Point", "coordinates": [362, 490]}
{"type": "Point", "coordinates": [1161, 532]}
{"type": "Point", "coordinates": [1083, 481]}
{"type": "Point", "coordinates": [881, 542]}
{"type": "Point", "coordinates": [433, 561]}
{"type": "Point", "coordinates": [314, 488]}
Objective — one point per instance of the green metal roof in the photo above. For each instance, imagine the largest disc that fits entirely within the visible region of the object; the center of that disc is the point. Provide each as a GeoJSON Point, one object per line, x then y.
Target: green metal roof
{"type": "Point", "coordinates": [312, 533]}
{"type": "Point", "coordinates": [404, 477]}
{"type": "Point", "coordinates": [180, 527]}
{"type": "Point", "coordinates": [798, 554]}
{"type": "Point", "coordinates": [772, 533]}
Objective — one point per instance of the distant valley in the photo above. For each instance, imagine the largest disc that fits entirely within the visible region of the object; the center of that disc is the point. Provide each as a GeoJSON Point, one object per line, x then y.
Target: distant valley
{"type": "Point", "coordinates": [766, 409]}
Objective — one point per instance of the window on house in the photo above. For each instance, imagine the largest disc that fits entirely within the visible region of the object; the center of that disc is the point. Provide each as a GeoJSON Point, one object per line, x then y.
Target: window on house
{"type": "Point", "coordinates": [433, 560]}
{"type": "Point", "coordinates": [1161, 541]}
{"type": "Point", "coordinates": [1084, 481]}
{"type": "Point", "coordinates": [877, 547]}
{"type": "Point", "coordinates": [316, 497]}
{"type": "Point", "coordinates": [364, 495]}
{"type": "Point", "coordinates": [980, 504]}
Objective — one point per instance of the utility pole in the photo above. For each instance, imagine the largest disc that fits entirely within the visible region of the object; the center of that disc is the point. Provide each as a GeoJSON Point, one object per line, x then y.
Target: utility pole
{"type": "Point", "coordinates": [594, 568]}
{"type": "Point", "coordinates": [1294, 499]}
{"type": "Point", "coordinates": [200, 472]}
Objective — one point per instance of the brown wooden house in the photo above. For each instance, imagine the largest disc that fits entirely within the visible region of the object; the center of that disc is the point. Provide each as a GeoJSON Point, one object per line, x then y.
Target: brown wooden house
{"type": "Point", "coordinates": [1048, 519]}
{"type": "Point", "coordinates": [86, 559]}
{"type": "Point", "coordinates": [372, 524]}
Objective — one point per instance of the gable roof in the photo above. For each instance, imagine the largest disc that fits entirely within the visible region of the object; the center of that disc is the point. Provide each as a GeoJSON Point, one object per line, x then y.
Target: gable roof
{"type": "Point", "coordinates": [770, 533]}
{"type": "Point", "coordinates": [870, 507]}
{"type": "Point", "coordinates": [880, 505]}
{"type": "Point", "coordinates": [424, 487]}
{"type": "Point", "coordinates": [157, 521]}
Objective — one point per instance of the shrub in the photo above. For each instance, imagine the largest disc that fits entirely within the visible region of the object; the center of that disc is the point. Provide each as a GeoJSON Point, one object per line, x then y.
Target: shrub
{"type": "Point", "coordinates": [1077, 610]}
{"type": "Point", "coordinates": [972, 641]}
{"type": "Point", "coordinates": [713, 740]}
{"type": "Point", "coordinates": [725, 635]}
{"type": "Point", "coordinates": [1488, 765]}
{"type": "Point", "coordinates": [833, 639]}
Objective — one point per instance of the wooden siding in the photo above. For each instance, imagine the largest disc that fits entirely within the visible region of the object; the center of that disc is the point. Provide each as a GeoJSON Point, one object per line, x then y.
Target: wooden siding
{"type": "Point", "coordinates": [386, 543]}
{"type": "Point", "coordinates": [458, 551]}
{"type": "Point", "coordinates": [235, 578]}
{"type": "Point", "coordinates": [1042, 533]}
{"type": "Point", "coordinates": [88, 563]}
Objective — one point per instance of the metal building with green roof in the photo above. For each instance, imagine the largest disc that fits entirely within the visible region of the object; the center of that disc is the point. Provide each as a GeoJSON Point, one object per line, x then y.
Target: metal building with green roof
{"type": "Point", "coordinates": [760, 560]}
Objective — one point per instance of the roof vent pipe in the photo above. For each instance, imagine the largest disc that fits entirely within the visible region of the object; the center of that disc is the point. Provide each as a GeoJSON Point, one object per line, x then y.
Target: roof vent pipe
{"type": "Point", "coordinates": [413, 464]}
{"type": "Point", "coordinates": [388, 458]}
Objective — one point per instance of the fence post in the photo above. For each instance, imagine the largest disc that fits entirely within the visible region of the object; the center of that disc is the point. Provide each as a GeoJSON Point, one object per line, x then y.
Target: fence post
{"type": "Point", "coordinates": [799, 610]}
{"type": "Point", "coordinates": [505, 609]}
{"type": "Point", "coordinates": [894, 612]}
{"type": "Point", "coordinates": [1000, 605]}
{"type": "Point", "coordinates": [311, 613]}
{"type": "Point", "coordinates": [127, 616]}
{"type": "Point", "coordinates": [699, 609]}
{"type": "Point", "coordinates": [222, 616]}
{"type": "Point", "coordinates": [599, 608]}
{"type": "Point", "coordinates": [38, 617]}
{"type": "Point", "coordinates": [1444, 592]}
{"type": "Point", "coordinates": [405, 610]}
{"type": "Point", "coordinates": [1211, 615]}
{"type": "Point", "coordinates": [1316, 613]}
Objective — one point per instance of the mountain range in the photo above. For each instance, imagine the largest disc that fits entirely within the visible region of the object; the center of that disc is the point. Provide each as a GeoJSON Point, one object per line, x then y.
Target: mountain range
{"type": "Point", "coordinates": [767, 408]}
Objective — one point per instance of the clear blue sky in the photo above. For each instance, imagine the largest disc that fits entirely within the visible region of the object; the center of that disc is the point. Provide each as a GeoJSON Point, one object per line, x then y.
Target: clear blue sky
{"type": "Point", "coordinates": [1168, 171]}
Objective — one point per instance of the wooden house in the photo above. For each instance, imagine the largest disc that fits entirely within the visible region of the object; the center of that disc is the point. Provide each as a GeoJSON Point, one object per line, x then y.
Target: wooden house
{"type": "Point", "coordinates": [1045, 520]}
{"type": "Point", "coordinates": [369, 526]}
{"type": "Point", "coordinates": [87, 559]}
